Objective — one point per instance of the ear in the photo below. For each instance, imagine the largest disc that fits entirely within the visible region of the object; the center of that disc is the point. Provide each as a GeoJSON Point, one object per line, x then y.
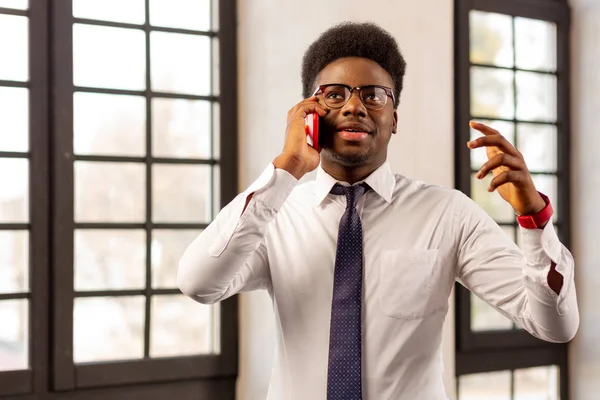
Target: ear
{"type": "Point", "coordinates": [395, 125]}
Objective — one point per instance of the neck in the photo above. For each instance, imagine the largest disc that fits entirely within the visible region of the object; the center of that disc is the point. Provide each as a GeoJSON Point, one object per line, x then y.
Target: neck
{"type": "Point", "coordinates": [351, 175]}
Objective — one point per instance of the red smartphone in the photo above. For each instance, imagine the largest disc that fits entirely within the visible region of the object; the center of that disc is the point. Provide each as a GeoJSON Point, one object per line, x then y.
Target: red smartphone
{"type": "Point", "coordinates": [311, 127]}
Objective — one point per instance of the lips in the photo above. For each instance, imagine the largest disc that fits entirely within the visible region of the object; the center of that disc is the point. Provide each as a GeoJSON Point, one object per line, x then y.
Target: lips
{"type": "Point", "coordinates": [352, 135]}
{"type": "Point", "coordinates": [353, 132]}
{"type": "Point", "coordinates": [353, 128]}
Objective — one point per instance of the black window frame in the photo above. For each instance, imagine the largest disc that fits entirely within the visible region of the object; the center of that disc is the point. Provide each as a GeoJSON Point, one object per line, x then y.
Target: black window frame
{"type": "Point", "coordinates": [34, 378]}
{"type": "Point", "coordinates": [52, 373]}
{"type": "Point", "coordinates": [489, 351]}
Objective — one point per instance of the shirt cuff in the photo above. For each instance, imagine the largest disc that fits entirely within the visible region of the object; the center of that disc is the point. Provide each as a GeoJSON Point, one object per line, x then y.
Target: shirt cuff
{"type": "Point", "coordinates": [272, 187]}
{"type": "Point", "coordinates": [541, 247]}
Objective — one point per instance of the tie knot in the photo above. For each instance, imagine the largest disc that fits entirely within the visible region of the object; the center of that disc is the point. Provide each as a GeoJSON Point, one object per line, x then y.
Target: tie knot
{"type": "Point", "coordinates": [352, 193]}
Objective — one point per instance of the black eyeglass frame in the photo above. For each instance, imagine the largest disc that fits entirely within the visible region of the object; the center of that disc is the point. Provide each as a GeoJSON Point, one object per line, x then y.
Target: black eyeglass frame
{"type": "Point", "coordinates": [388, 91]}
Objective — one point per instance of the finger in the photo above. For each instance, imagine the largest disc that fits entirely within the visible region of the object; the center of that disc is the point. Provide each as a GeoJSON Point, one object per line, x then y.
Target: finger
{"type": "Point", "coordinates": [483, 128]}
{"type": "Point", "coordinates": [292, 111]}
{"type": "Point", "coordinates": [296, 122]}
{"type": "Point", "coordinates": [494, 141]}
{"type": "Point", "coordinates": [304, 109]}
{"type": "Point", "coordinates": [501, 160]}
{"type": "Point", "coordinates": [516, 177]}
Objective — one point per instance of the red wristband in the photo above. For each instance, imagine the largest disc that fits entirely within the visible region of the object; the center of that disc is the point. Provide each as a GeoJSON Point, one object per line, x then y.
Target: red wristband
{"type": "Point", "coordinates": [537, 220]}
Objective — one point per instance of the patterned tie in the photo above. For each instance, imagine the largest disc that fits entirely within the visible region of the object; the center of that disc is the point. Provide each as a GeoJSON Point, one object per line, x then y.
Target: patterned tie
{"type": "Point", "coordinates": [344, 371]}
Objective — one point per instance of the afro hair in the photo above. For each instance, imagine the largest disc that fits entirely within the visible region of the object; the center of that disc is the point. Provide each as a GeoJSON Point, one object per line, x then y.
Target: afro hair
{"type": "Point", "coordinates": [352, 39]}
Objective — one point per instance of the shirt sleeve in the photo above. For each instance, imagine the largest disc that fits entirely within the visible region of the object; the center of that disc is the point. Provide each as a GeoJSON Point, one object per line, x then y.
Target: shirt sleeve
{"type": "Point", "coordinates": [230, 255]}
{"type": "Point", "coordinates": [514, 280]}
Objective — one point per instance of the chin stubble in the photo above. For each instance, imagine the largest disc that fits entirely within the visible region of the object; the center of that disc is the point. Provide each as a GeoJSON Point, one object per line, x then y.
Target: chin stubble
{"type": "Point", "coordinates": [354, 160]}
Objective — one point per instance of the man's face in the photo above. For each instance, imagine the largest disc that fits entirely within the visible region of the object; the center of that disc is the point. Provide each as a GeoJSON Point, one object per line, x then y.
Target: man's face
{"type": "Point", "coordinates": [353, 150]}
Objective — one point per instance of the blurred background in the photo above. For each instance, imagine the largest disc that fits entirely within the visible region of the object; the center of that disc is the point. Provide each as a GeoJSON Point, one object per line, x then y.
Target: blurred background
{"type": "Point", "coordinates": [126, 125]}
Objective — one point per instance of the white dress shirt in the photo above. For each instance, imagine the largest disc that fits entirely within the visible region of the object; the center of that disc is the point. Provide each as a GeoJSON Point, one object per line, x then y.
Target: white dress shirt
{"type": "Point", "coordinates": [418, 239]}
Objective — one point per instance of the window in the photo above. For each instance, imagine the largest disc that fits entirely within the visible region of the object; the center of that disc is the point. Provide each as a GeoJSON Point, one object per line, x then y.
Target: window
{"type": "Point", "coordinates": [512, 73]}
{"type": "Point", "coordinates": [117, 147]}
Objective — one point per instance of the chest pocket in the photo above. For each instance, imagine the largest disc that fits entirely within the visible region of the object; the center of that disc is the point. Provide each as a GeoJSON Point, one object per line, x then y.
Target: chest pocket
{"type": "Point", "coordinates": [406, 279]}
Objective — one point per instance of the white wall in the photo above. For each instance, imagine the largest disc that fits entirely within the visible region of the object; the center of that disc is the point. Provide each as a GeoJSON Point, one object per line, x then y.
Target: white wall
{"type": "Point", "coordinates": [273, 36]}
{"type": "Point", "coordinates": [585, 195]}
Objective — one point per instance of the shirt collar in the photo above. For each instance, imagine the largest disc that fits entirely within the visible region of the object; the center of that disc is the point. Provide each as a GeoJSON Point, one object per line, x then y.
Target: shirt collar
{"type": "Point", "coordinates": [381, 181]}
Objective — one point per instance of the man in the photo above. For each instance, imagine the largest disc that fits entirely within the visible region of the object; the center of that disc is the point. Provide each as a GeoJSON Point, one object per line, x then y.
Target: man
{"type": "Point", "coordinates": [360, 262]}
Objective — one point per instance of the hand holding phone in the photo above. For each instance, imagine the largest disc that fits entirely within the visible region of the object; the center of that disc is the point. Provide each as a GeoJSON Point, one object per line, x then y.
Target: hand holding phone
{"type": "Point", "coordinates": [297, 157]}
{"type": "Point", "coordinates": [312, 130]}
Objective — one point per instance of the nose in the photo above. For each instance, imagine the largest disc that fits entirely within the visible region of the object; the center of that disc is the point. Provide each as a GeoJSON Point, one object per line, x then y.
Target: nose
{"type": "Point", "coordinates": [354, 106]}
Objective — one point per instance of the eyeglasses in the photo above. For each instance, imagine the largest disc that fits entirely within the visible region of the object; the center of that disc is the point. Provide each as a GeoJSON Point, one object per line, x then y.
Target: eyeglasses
{"type": "Point", "coordinates": [374, 97]}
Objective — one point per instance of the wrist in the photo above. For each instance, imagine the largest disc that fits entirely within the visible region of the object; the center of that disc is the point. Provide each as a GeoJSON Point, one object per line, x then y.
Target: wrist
{"type": "Point", "coordinates": [536, 207]}
{"type": "Point", "coordinates": [290, 164]}
{"type": "Point", "coordinates": [539, 219]}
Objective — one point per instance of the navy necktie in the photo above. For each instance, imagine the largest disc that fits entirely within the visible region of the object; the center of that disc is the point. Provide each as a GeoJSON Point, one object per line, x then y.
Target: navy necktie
{"type": "Point", "coordinates": [345, 344]}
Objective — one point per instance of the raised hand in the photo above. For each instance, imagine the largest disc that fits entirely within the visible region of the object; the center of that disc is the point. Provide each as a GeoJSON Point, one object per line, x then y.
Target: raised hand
{"type": "Point", "coordinates": [511, 179]}
{"type": "Point", "coordinates": [297, 157]}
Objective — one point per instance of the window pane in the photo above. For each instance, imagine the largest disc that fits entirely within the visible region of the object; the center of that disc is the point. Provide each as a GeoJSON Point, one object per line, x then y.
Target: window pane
{"type": "Point", "coordinates": [186, 14]}
{"type": "Point", "coordinates": [488, 386]}
{"type": "Point", "coordinates": [216, 67]}
{"type": "Point", "coordinates": [479, 156]}
{"type": "Point", "coordinates": [181, 128]}
{"type": "Point", "coordinates": [14, 48]}
{"type": "Point", "coordinates": [539, 146]}
{"type": "Point", "coordinates": [180, 326]}
{"type": "Point", "coordinates": [492, 203]}
{"type": "Point", "coordinates": [216, 131]}
{"type": "Point", "coordinates": [167, 248]}
{"type": "Point", "coordinates": [110, 259]}
{"type": "Point", "coordinates": [14, 335]}
{"type": "Point", "coordinates": [14, 119]}
{"type": "Point", "coordinates": [536, 97]}
{"type": "Point", "coordinates": [16, 4]}
{"type": "Point", "coordinates": [14, 196]}
{"type": "Point", "coordinates": [485, 318]}
{"type": "Point", "coordinates": [537, 383]}
{"type": "Point", "coordinates": [14, 261]}
{"type": "Point", "coordinates": [492, 93]}
{"type": "Point", "coordinates": [215, 15]}
{"type": "Point", "coordinates": [180, 63]}
{"type": "Point", "coordinates": [491, 38]}
{"type": "Point", "coordinates": [535, 43]}
{"type": "Point", "coordinates": [108, 124]}
{"type": "Point", "coordinates": [108, 328]}
{"type": "Point", "coordinates": [181, 193]}
{"type": "Point", "coordinates": [548, 184]}
{"type": "Point", "coordinates": [216, 190]}
{"type": "Point", "coordinates": [109, 57]}
{"type": "Point", "coordinates": [131, 11]}
{"type": "Point", "coordinates": [110, 192]}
